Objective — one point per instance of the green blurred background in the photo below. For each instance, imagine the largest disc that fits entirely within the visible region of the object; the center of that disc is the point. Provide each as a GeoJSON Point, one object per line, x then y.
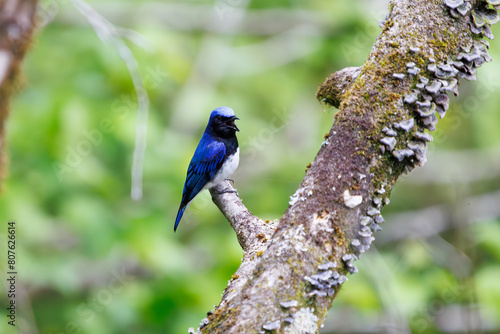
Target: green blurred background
{"type": "Point", "coordinates": [92, 260]}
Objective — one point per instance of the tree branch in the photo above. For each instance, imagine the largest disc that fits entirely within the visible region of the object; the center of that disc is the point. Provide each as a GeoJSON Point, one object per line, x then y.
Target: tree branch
{"type": "Point", "coordinates": [250, 230]}
{"type": "Point", "coordinates": [424, 48]}
{"type": "Point", "coordinates": [336, 85]}
{"type": "Point", "coordinates": [16, 28]}
{"type": "Point", "coordinates": [108, 33]}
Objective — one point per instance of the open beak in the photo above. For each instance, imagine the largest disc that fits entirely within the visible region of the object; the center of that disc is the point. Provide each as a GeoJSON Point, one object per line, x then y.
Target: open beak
{"type": "Point", "coordinates": [231, 125]}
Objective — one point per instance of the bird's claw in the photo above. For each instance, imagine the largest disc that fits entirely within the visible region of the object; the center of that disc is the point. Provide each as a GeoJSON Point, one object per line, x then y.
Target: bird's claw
{"type": "Point", "coordinates": [230, 180]}
{"type": "Point", "coordinates": [225, 191]}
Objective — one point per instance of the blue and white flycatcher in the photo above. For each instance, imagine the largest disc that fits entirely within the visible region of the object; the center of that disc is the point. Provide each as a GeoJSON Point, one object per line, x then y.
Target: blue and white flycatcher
{"type": "Point", "coordinates": [216, 157]}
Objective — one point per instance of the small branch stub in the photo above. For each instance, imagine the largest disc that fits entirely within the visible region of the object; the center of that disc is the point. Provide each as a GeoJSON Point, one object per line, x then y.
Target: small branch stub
{"type": "Point", "coordinates": [333, 89]}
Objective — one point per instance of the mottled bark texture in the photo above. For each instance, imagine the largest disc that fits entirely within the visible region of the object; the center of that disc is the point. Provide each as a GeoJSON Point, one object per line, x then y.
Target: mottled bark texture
{"type": "Point", "coordinates": [16, 28]}
{"type": "Point", "coordinates": [424, 48]}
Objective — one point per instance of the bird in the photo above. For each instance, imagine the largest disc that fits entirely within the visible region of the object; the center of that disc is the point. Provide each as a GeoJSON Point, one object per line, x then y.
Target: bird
{"type": "Point", "coordinates": [216, 157]}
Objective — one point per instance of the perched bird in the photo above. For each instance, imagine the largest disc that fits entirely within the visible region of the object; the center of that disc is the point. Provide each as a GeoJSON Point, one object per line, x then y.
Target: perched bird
{"type": "Point", "coordinates": [216, 157]}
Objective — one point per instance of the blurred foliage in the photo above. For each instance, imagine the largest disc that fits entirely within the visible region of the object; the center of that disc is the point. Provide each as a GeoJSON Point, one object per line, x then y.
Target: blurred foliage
{"type": "Point", "coordinates": [91, 260]}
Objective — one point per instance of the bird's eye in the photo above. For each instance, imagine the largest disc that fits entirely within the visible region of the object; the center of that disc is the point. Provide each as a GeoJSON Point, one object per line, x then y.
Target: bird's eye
{"type": "Point", "coordinates": [218, 117]}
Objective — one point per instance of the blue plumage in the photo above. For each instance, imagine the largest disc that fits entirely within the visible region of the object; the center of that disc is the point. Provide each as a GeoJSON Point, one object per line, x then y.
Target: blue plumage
{"type": "Point", "coordinates": [215, 158]}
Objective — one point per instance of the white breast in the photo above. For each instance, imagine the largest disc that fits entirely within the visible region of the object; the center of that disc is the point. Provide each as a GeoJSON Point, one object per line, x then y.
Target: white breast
{"type": "Point", "coordinates": [226, 170]}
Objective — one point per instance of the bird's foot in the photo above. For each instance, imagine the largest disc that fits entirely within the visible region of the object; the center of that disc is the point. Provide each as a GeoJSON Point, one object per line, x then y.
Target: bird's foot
{"type": "Point", "coordinates": [230, 180]}
{"type": "Point", "coordinates": [225, 191]}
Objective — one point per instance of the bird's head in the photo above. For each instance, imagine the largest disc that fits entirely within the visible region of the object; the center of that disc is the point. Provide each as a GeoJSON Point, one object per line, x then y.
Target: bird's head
{"type": "Point", "coordinates": [222, 122]}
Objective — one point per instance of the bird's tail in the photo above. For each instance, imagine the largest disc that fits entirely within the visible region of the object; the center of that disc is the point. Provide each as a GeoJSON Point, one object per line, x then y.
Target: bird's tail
{"type": "Point", "coordinates": [179, 216]}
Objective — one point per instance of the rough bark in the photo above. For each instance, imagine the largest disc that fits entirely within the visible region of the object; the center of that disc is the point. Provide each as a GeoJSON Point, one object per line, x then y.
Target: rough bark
{"type": "Point", "coordinates": [288, 281]}
{"type": "Point", "coordinates": [17, 20]}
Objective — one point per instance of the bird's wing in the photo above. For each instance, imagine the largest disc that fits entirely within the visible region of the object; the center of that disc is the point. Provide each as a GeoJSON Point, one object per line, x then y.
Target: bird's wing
{"type": "Point", "coordinates": [206, 162]}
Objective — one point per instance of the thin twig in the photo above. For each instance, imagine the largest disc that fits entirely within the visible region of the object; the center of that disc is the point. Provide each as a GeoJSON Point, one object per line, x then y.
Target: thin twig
{"type": "Point", "coordinates": [109, 34]}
